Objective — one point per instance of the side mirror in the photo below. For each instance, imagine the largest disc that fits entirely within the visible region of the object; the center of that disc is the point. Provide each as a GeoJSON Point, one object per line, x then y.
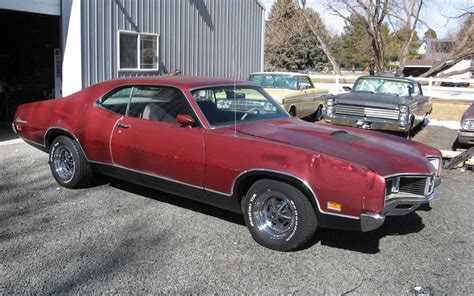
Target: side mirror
{"type": "Point", "coordinates": [185, 120]}
{"type": "Point", "coordinates": [347, 88]}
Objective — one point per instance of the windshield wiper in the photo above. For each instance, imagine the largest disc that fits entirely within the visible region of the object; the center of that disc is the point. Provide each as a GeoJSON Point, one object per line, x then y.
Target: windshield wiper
{"type": "Point", "coordinates": [365, 91]}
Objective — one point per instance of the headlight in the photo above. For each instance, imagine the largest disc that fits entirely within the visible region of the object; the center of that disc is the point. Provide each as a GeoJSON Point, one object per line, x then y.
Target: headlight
{"type": "Point", "coordinates": [403, 108]}
{"type": "Point", "coordinates": [467, 125]}
{"type": "Point", "coordinates": [330, 102]}
{"type": "Point", "coordinates": [329, 110]}
{"type": "Point", "coordinates": [435, 162]}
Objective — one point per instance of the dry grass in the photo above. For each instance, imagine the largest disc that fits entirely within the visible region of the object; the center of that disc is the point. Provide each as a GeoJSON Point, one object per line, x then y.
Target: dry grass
{"type": "Point", "coordinates": [445, 110]}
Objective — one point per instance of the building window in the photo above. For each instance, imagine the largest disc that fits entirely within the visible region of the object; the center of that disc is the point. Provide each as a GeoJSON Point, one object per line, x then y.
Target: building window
{"type": "Point", "coordinates": [138, 51]}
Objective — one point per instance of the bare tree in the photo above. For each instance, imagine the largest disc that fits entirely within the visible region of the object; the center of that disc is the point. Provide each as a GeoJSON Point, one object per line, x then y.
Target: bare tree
{"type": "Point", "coordinates": [407, 12]}
{"type": "Point", "coordinates": [317, 28]}
{"type": "Point", "coordinates": [371, 14]}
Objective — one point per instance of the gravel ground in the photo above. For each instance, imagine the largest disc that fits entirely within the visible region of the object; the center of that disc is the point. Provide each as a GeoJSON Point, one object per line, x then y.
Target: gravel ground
{"type": "Point", "coordinates": [120, 238]}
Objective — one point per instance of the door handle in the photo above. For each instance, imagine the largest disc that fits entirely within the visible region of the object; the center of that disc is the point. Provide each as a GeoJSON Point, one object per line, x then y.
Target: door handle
{"type": "Point", "coordinates": [121, 125]}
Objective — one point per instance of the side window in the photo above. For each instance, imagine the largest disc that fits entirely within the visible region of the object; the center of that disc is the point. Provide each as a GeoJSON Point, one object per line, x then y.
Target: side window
{"type": "Point", "coordinates": [305, 83]}
{"type": "Point", "coordinates": [158, 103]}
{"type": "Point", "coordinates": [416, 90]}
{"type": "Point", "coordinates": [117, 100]}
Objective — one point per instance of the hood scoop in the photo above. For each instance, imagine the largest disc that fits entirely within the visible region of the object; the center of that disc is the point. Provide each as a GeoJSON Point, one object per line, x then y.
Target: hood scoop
{"type": "Point", "coordinates": [345, 136]}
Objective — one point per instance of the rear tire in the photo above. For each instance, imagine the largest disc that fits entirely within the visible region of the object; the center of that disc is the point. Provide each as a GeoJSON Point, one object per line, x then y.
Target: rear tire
{"type": "Point", "coordinates": [278, 215]}
{"type": "Point", "coordinates": [292, 112]}
{"type": "Point", "coordinates": [68, 164]}
{"type": "Point", "coordinates": [318, 115]}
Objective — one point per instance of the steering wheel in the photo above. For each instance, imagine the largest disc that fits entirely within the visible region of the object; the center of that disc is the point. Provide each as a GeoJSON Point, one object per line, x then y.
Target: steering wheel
{"type": "Point", "coordinates": [253, 110]}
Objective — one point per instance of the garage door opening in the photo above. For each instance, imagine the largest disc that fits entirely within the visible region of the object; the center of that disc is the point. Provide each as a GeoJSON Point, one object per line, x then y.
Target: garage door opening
{"type": "Point", "coordinates": [27, 59]}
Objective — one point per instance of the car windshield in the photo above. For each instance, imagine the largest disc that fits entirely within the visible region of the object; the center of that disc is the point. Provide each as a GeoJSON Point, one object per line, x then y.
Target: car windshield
{"type": "Point", "coordinates": [228, 105]}
{"type": "Point", "coordinates": [275, 80]}
{"type": "Point", "coordinates": [384, 86]}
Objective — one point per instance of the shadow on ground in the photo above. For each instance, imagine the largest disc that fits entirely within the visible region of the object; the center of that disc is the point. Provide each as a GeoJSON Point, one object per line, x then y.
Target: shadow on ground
{"type": "Point", "coordinates": [6, 132]}
{"type": "Point", "coordinates": [363, 242]}
{"type": "Point", "coordinates": [178, 201]}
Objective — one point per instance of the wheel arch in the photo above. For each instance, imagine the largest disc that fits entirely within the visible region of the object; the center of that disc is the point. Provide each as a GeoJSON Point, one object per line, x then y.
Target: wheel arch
{"type": "Point", "coordinates": [295, 110]}
{"type": "Point", "coordinates": [54, 132]}
{"type": "Point", "coordinates": [245, 180]}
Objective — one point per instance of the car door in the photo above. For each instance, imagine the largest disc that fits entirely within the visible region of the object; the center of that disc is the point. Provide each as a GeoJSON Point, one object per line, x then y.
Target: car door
{"type": "Point", "coordinates": [98, 124]}
{"type": "Point", "coordinates": [149, 141]}
{"type": "Point", "coordinates": [310, 96]}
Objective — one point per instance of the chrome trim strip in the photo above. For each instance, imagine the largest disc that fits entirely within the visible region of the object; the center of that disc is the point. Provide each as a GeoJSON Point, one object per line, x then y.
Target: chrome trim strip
{"type": "Point", "coordinates": [33, 142]}
{"type": "Point", "coordinates": [438, 171]}
{"type": "Point", "coordinates": [409, 174]}
{"type": "Point", "coordinates": [297, 178]}
{"type": "Point", "coordinates": [19, 120]}
{"type": "Point", "coordinates": [97, 105]}
{"type": "Point", "coordinates": [110, 139]}
{"type": "Point", "coordinates": [63, 129]}
{"type": "Point", "coordinates": [233, 185]}
{"type": "Point", "coordinates": [157, 176]}
{"type": "Point", "coordinates": [209, 126]}
{"type": "Point", "coordinates": [237, 83]}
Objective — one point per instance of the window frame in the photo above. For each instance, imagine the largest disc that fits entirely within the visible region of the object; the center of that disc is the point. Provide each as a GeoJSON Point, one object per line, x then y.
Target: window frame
{"type": "Point", "coordinates": [311, 85]}
{"type": "Point", "coordinates": [139, 38]}
{"type": "Point", "coordinates": [199, 122]}
{"type": "Point", "coordinates": [213, 86]}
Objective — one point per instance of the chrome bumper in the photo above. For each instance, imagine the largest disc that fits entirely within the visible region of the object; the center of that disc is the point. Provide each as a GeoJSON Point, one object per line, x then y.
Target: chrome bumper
{"type": "Point", "coordinates": [395, 207]}
{"type": "Point", "coordinates": [370, 123]}
{"type": "Point", "coordinates": [14, 128]}
{"type": "Point", "coordinates": [466, 137]}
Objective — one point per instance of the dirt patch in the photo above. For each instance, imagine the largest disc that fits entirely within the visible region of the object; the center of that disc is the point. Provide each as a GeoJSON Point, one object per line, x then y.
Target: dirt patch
{"type": "Point", "coordinates": [445, 110]}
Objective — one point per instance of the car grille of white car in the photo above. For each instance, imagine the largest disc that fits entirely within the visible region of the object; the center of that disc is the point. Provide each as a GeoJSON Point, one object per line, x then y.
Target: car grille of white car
{"type": "Point", "coordinates": [366, 111]}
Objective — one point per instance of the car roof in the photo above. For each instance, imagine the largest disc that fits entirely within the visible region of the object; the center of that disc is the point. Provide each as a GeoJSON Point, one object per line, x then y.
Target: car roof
{"type": "Point", "coordinates": [280, 73]}
{"type": "Point", "coordinates": [187, 82]}
{"type": "Point", "coordinates": [389, 78]}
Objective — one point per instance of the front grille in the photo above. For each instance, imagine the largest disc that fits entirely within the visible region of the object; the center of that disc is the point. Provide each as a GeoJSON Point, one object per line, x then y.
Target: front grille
{"type": "Point", "coordinates": [409, 186]}
{"type": "Point", "coordinates": [366, 111]}
{"type": "Point", "coordinates": [413, 185]}
{"type": "Point", "coordinates": [349, 110]}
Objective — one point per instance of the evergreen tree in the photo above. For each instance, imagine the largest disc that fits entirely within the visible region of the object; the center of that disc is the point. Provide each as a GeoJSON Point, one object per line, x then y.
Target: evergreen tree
{"type": "Point", "coordinates": [430, 33]}
{"type": "Point", "coordinates": [289, 43]}
{"type": "Point", "coordinates": [355, 49]}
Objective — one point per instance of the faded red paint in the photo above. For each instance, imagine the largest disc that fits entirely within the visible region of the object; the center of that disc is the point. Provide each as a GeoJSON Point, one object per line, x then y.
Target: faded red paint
{"type": "Point", "coordinates": [347, 172]}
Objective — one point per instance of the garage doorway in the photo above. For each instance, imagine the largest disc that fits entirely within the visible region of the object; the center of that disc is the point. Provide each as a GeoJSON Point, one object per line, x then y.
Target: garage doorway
{"type": "Point", "coordinates": [27, 59]}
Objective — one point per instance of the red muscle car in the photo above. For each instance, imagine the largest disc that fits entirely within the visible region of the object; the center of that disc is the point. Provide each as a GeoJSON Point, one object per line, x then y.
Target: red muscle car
{"type": "Point", "coordinates": [229, 144]}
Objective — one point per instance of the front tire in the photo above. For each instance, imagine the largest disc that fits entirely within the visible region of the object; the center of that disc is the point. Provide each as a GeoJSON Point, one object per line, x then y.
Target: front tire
{"type": "Point", "coordinates": [278, 215]}
{"type": "Point", "coordinates": [68, 164]}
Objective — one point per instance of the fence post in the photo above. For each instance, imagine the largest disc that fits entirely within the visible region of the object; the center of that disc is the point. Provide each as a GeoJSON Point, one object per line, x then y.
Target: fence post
{"type": "Point", "coordinates": [337, 80]}
{"type": "Point", "coordinates": [430, 84]}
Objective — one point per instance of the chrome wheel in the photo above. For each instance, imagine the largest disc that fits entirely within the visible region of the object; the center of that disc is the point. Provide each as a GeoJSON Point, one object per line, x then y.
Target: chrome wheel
{"type": "Point", "coordinates": [273, 214]}
{"type": "Point", "coordinates": [63, 163]}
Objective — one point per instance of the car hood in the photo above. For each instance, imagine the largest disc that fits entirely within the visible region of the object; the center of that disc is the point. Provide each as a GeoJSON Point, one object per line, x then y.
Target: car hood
{"type": "Point", "coordinates": [469, 114]}
{"type": "Point", "coordinates": [372, 100]}
{"type": "Point", "coordinates": [382, 153]}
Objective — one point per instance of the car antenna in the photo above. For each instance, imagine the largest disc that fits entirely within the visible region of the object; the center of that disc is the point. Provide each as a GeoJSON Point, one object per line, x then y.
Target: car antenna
{"type": "Point", "coordinates": [234, 92]}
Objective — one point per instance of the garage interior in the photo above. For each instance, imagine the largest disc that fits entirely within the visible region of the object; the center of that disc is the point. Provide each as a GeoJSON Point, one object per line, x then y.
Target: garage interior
{"type": "Point", "coordinates": [27, 59]}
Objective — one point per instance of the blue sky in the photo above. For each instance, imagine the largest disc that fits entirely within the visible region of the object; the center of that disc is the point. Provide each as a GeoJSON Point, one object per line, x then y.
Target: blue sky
{"type": "Point", "coordinates": [436, 14]}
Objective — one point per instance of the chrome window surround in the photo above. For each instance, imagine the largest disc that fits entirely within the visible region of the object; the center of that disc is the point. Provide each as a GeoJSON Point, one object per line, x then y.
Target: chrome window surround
{"type": "Point", "coordinates": [132, 85]}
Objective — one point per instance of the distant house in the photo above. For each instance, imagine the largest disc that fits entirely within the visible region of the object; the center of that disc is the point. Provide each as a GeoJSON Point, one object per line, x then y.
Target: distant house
{"type": "Point", "coordinates": [433, 51]}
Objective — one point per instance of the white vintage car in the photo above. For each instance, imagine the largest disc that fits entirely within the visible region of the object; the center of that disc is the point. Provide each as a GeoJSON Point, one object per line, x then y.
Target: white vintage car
{"type": "Point", "coordinates": [294, 91]}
